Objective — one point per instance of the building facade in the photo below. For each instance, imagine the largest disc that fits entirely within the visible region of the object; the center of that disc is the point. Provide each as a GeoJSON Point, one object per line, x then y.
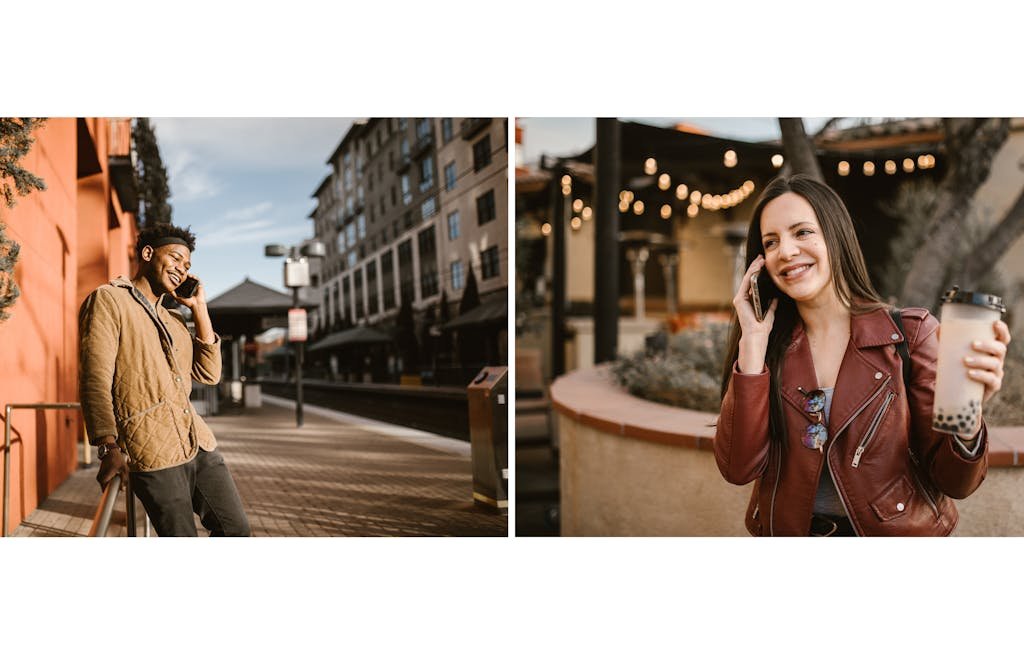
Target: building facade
{"type": "Point", "coordinates": [410, 206]}
{"type": "Point", "coordinates": [74, 236]}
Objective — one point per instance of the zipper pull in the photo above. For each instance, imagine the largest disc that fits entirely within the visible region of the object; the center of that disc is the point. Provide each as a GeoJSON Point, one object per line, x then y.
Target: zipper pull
{"type": "Point", "coordinates": [857, 455]}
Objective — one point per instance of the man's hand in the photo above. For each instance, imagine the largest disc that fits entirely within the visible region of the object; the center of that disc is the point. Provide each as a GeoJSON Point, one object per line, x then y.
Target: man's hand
{"type": "Point", "coordinates": [193, 302]}
{"type": "Point", "coordinates": [113, 464]}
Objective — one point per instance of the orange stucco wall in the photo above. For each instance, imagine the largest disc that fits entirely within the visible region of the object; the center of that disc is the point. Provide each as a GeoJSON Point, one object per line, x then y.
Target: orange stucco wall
{"type": "Point", "coordinates": [67, 249]}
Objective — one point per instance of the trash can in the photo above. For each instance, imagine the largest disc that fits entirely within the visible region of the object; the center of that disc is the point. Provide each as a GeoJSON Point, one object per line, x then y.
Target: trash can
{"type": "Point", "coordinates": [488, 437]}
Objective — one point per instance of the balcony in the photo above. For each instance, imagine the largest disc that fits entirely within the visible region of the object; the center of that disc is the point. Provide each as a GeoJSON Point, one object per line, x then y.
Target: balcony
{"type": "Point", "coordinates": [122, 165]}
{"type": "Point", "coordinates": [423, 145]}
{"type": "Point", "coordinates": [403, 163]}
{"type": "Point", "coordinates": [470, 127]}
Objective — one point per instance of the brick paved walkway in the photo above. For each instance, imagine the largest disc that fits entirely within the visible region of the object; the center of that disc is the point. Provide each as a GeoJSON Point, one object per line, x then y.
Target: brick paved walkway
{"type": "Point", "coordinates": [330, 478]}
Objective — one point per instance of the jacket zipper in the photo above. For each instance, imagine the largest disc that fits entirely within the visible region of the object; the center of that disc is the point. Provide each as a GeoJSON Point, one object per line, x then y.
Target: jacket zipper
{"type": "Point", "coordinates": [866, 440]}
{"type": "Point", "coordinates": [832, 442]}
{"type": "Point", "coordinates": [920, 484]}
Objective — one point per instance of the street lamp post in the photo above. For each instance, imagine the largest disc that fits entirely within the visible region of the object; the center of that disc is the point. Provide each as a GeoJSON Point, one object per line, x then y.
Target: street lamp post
{"type": "Point", "coordinates": [296, 276]}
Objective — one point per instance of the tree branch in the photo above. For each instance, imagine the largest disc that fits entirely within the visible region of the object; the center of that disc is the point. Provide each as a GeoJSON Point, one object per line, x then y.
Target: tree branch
{"type": "Point", "coordinates": [997, 243]}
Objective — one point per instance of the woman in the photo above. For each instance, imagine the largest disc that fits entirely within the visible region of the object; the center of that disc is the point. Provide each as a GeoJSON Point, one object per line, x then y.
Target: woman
{"type": "Point", "coordinates": [814, 405]}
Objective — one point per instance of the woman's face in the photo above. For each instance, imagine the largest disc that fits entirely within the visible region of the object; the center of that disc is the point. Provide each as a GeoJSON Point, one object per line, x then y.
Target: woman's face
{"type": "Point", "coordinates": [794, 249]}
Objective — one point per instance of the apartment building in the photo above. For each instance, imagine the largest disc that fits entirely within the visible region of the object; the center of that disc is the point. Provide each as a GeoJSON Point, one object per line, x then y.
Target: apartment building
{"type": "Point", "coordinates": [473, 156]}
{"type": "Point", "coordinates": [409, 206]}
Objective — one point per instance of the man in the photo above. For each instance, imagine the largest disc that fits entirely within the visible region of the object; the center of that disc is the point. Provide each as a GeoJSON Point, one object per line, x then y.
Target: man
{"type": "Point", "coordinates": [137, 364]}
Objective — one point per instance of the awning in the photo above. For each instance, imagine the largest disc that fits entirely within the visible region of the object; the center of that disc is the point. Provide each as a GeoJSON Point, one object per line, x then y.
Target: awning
{"type": "Point", "coordinates": [360, 335]}
{"type": "Point", "coordinates": [493, 310]}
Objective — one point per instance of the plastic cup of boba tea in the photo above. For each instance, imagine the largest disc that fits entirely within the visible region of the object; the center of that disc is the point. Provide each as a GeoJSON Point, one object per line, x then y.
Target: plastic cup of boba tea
{"type": "Point", "coordinates": [966, 317]}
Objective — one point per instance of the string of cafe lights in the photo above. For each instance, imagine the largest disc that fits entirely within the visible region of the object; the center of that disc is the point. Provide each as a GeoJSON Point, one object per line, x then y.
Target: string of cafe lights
{"type": "Point", "coordinates": [699, 199]}
{"type": "Point", "coordinates": [924, 162]}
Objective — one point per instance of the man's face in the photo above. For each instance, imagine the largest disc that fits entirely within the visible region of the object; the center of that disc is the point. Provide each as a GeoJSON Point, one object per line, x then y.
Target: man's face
{"type": "Point", "coordinates": [168, 266]}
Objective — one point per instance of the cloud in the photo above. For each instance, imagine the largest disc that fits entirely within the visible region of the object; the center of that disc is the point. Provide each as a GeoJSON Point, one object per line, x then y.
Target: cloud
{"type": "Point", "coordinates": [253, 143]}
{"type": "Point", "coordinates": [247, 213]}
{"type": "Point", "coordinates": [263, 231]}
{"type": "Point", "coordinates": [189, 179]}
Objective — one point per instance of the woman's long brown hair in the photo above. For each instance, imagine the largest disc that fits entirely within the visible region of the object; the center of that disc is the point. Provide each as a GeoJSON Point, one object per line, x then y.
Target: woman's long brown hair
{"type": "Point", "coordinates": [849, 277]}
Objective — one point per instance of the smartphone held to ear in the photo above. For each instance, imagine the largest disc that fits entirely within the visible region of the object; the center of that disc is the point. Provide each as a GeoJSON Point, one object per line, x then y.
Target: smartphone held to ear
{"type": "Point", "coordinates": [762, 292]}
{"type": "Point", "coordinates": [187, 288]}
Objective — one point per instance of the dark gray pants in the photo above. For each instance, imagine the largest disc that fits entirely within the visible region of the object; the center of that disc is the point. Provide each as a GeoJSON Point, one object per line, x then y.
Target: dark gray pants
{"type": "Point", "coordinates": [202, 486]}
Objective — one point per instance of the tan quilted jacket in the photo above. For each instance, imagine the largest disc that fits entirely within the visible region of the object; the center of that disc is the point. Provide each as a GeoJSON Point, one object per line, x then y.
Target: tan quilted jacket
{"type": "Point", "coordinates": [135, 376]}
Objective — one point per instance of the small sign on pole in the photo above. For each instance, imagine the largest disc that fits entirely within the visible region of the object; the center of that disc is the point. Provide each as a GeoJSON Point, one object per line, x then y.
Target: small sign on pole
{"type": "Point", "coordinates": [297, 325]}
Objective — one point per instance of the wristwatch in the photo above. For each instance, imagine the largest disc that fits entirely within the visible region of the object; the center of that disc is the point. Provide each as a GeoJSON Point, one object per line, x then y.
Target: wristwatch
{"type": "Point", "coordinates": [105, 448]}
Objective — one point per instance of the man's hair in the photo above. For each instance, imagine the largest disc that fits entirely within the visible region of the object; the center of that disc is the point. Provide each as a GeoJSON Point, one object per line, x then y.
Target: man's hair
{"type": "Point", "coordinates": [154, 233]}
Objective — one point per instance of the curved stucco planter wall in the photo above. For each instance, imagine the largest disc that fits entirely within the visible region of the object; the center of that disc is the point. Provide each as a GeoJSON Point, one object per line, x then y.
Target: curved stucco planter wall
{"type": "Point", "coordinates": [634, 467]}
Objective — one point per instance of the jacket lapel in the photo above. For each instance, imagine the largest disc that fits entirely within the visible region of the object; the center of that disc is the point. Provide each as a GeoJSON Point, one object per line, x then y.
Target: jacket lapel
{"type": "Point", "coordinates": [861, 374]}
{"type": "Point", "coordinates": [798, 370]}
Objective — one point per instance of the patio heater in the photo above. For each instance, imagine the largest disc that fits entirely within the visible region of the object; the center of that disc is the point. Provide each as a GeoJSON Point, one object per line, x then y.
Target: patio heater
{"type": "Point", "coordinates": [296, 276]}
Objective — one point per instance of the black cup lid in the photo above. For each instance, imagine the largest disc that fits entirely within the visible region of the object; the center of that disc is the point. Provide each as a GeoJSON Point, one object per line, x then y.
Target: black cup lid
{"type": "Point", "coordinates": [956, 296]}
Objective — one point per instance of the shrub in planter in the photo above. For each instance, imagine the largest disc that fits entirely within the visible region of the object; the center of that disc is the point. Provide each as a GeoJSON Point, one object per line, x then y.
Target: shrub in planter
{"type": "Point", "coordinates": [686, 374]}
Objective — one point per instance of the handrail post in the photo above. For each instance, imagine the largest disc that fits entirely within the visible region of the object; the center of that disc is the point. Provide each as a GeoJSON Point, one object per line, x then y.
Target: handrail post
{"type": "Point", "coordinates": [7, 465]}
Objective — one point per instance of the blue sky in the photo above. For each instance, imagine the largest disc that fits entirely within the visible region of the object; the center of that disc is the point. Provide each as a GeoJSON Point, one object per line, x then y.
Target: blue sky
{"type": "Point", "coordinates": [562, 136]}
{"type": "Point", "coordinates": [242, 183]}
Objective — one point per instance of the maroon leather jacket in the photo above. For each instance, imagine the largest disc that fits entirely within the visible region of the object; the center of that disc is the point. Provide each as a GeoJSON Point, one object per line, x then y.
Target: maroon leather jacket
{"type": "Point", "coordinates": [901, 481]}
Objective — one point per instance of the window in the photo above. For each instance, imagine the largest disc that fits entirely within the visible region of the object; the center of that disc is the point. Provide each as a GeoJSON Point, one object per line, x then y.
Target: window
{"type": "Point", "coordinates": [422, 128]}
{"type": "Point", "coordinates": [348, 179]}
{"type": "Point", "coordinates": [405, 274]}
{"type": "Point", "coordinates": [446, 129]}
{"type": "Point", "coordinates": [406, 190]}
{"type": "Point", "coordinates": [360, 196]}
{"type": "Point", "coordinates": [341, 241]}
{"type": "Point", "coordinates": [458, 276]}
{"type": "Point", "coordinates": [394, 197]}
{"type": "Point", "coordinates": [453, 225]}
{"type": "Point", "coordinates": [361, 222]}
{"type": "Point", "coordinates": [404, 148]}
{"type": "Point", "coordinates": [352, 259]}
{"type": "Point", "coordinates": [371, 286]}
{"type": "Point", "coordinates": [426, 173]}
{"type": "Point", "coordinates": [482, 153]}
{"type": "Point", "coordinates": [429, 207]}
{"type": "Point", "coordinates": [402, 124]}
{"type": "Point", "coordinates": [449, 176]}
{"type": "Point", "coordinates": [387, 273]}
{"type": "Point", "coordinates": [489, 264]}
{"type": "Point", "coordinates": [350, 234]}
{"type": "Point", "coordinates": [485, 211]}
{"type": "Point", "coordinates": [346, 290]}
{"type": "Point", "coordinates": [428, 262]}
{"type": "Point", "coordinates": [358, 277]}
{"type": "Point", "coordinates": [350, 205]}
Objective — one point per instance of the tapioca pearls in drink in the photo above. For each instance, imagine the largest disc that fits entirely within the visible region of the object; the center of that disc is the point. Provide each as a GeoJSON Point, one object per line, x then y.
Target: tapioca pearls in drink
{"type": "Point", "coordinates": [966, 317]}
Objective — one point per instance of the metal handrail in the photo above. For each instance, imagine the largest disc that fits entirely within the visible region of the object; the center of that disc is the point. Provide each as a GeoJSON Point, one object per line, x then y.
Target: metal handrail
{"type": "Point", "coordinates": [104, 511]}
{"type": "Point", "coordinates": [7, 448]}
